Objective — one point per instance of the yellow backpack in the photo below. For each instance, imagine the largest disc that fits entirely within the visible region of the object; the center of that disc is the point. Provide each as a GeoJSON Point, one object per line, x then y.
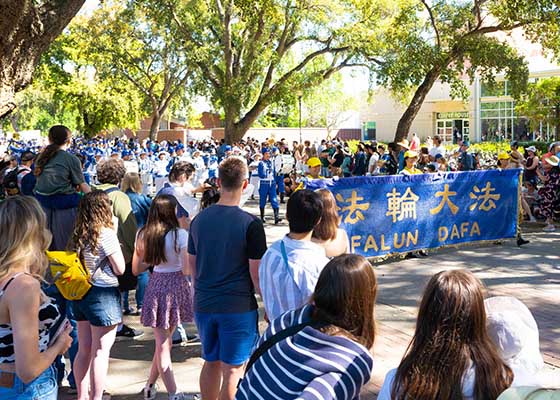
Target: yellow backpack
{"type": "Point", "coordinates": [69, 274]}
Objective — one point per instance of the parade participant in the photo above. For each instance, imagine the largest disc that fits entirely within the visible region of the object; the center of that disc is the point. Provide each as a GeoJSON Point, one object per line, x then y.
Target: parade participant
{"type": "Point", "coordinates": [438, 148]}
{"type": "Point", "coordinates": [327, 233]}
{"type": "Point", "coordinates": [278, 175]}
{"type": "Point", "coordinates": [225, 248]}
{"type": "Point", "coordinates": [410, 158]}
{"type": "Point", "coordinates": [201, 173]}
{"type": "Point", "coordinates": [451, 347]}
{"type": "Point", "coordinates": [294, 262]}
{"type": "Point", "coordinates": [145, 167]}
{"type": "Point", "coordinates": [160, 170]}
{"type": "Point", "coordinates": [99, 312]}
{"type": "Point", "coordinates": [400, 149]}
{"type": "Point", "coordinates": [130, 165]}
{"type": "Point", "coordinates": [26, 179]}
{"type": "Point", "coordinates": [267, 186]}
{"type": "Point", "coordinates": [168, 301]}
{"type": "Point", "coordinates": [253, 170]}
{"type": "Point", "coordinates": [329, 340]}
{"type": "Point", "coordinates": [26, 313]}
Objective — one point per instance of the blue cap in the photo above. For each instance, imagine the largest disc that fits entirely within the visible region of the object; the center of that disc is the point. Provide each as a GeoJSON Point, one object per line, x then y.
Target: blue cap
{"type": "Point", "coordinates": [466, 143]}
{"type": "Point", "coordinates": [228, 148]}
{"type": "Point", "coordinates": [265, 150]}
{"type": "Point", "coordinates": [126, 153]}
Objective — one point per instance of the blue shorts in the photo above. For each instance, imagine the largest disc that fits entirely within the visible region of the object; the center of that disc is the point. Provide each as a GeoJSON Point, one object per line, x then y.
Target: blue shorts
{"type": "Point", "coordinates": [227, 337]}
{"type": "Point", "coordinates": [101, 306]}
{"type": "Point", "coordinates": [44, 387]}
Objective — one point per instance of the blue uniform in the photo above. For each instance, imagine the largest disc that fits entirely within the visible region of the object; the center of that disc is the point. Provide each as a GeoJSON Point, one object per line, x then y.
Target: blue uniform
{"type": "Point", "coordinates": [267, 186]}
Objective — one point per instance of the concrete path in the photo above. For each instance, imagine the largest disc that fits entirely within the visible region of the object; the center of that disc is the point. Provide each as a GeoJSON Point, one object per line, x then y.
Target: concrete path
{"type": "Point", "coordinates": [531, 273]}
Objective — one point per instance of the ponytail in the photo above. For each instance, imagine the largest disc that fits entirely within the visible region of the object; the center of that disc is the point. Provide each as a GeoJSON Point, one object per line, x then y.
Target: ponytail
{"type": "Point", "coordinates": [58, 137]}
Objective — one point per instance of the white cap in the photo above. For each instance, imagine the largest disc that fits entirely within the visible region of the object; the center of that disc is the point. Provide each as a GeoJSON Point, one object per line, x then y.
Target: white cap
{"type": "Point", "coordinates": [513, 329]}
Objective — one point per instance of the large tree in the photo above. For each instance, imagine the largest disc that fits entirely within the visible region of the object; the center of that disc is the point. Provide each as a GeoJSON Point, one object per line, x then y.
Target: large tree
{"type": "Point", "coordinates": [251, 54]}
{"type": "Point", "coordinates": [27, 28]}
{"type": "Point", "coordinates": [541, 104]}
{"type": "Point", "coordinates": [124, 41]}
{"type": "Point", "coordinates": [431, 40]}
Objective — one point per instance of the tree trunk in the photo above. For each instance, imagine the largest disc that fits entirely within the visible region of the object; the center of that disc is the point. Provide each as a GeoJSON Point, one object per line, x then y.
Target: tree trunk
{"type": "Point", "coordinates": [27, 29]}
{"type": "Point", "coordinates": [154, 127]}
{"type": "Point", "coordinates": [234, 131]}
{"type": "Point", "coordinates": [410, 113]}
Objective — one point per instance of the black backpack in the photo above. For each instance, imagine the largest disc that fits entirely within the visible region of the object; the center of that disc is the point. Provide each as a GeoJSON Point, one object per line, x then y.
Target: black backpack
{"type": "Point", "coordinates": [10, 183]}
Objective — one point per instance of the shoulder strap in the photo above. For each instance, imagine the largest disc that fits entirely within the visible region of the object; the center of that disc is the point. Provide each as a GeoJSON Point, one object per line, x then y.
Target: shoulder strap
{"type": "Point", "coordinates": [271, 341]}
{"type": "Point", "coordinates": [111, 190]}
{"type": "Point", "coordinates": [10, 281]}
{"type": "Point", "coordinates": [285, 258]}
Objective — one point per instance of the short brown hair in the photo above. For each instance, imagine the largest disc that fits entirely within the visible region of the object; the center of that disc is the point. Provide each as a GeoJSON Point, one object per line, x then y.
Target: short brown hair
{"type": "Point", "coordinates": [181, 168]}
{"type": "Point", "coordinates": [110, 171]}
{"type": "Point", "coordinates": [131, 181]}
{"type": "Point", "coordinates": [327, 228]}
{"type": "Point", "coordinates": [232, 172]}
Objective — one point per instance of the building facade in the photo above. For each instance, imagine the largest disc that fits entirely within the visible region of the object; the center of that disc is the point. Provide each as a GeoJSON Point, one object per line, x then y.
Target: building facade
{"type": "Point", "coordinates": [487, 115]}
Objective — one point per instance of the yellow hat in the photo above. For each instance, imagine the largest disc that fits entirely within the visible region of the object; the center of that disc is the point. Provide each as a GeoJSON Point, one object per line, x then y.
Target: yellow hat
{"type": "Point", "coordinates": [410, 154]}
{"type": "Point", "coordinates": [503, 156]}
{"type": "Point", "coordinates": [313, 162]}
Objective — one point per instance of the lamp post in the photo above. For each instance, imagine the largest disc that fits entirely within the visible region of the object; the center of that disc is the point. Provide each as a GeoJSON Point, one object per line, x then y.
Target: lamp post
{"type": "Point", "coordinates": [300, 95]}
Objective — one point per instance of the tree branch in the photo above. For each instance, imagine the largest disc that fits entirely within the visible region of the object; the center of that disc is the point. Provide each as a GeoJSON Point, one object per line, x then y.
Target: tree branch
{"type": "Point", "coordinates": [430, 12]}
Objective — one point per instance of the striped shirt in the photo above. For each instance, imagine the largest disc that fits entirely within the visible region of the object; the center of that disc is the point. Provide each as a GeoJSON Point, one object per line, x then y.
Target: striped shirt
{"type": "Point", "coordinates": [287, 287]}
{"type": "Point", "coordinates": [99, 267]}
{"type": "Point", "coordinates": [308, 365]}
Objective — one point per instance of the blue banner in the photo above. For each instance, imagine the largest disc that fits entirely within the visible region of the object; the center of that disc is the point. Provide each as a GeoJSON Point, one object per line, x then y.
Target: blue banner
{"type": "Point", "coordinates": [398, 214]}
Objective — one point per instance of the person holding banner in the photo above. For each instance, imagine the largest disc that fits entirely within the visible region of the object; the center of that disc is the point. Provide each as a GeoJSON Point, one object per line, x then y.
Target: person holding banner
{"type": "Point", "coordinates": [410, 158]}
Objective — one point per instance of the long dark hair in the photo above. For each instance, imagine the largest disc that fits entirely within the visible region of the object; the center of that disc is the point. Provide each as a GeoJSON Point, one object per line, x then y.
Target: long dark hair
{"type": "Point", "coordinates": [450, 335]}
{"type": "Point", "coordinates": [58, 137]}
{"type": "Point", "coordinates": [162, 219]}
{"type": "Point", "coordinates": [344, 298]}
{"type": "Point", "coordinates": [94, 213]}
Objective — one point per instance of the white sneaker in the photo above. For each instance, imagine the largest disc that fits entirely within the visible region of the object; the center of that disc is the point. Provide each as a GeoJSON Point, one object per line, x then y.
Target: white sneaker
{"type": "Point", "coordinates": [184, 396]}
{"type": "Point", "coordinates": [532, 219]}
{"type": "Point", "coordinates": [549, 228]}
{"type": "Point", "coordinates": [150, 392]}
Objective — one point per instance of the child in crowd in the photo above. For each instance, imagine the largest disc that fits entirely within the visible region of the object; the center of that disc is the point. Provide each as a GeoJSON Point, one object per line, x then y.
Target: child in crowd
{"type": "Point", "coordinates": [168, 299]}
{"type": "Point", "coordinates": [99, 312]}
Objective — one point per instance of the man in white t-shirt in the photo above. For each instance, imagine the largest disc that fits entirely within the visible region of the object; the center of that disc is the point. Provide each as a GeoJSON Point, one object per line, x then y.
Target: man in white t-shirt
{"type": "Point", "coordinates": [437, 149]}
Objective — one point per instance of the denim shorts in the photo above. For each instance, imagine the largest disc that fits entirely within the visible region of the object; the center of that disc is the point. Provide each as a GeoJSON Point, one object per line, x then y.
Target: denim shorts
{"type": "Point", "coordinates": [101, 306]}
{"type": "Point", "coordinates": [44, 387]}
{"type": "Point", "coordinates": [227, 337]}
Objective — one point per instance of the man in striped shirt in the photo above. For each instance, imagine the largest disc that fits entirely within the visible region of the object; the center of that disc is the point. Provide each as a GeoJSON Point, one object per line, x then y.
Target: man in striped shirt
{"type": "Point", "coordinates": [291, 266]}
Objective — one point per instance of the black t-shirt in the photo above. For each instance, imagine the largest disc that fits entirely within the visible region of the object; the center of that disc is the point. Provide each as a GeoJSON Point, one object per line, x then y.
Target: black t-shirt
{"type": "Point", "coordinates": [224, 239]}
{"type": "Point", "coordinates": [338, 160]}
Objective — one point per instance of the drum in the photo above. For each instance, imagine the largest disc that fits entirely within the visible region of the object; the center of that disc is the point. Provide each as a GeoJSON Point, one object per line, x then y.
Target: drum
{"type": "Point", "coordinates": [284, 164]}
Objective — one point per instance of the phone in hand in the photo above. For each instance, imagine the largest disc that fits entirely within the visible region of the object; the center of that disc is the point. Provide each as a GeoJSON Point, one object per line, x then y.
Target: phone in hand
{"type": "Point", "coordinates": [59, 329]}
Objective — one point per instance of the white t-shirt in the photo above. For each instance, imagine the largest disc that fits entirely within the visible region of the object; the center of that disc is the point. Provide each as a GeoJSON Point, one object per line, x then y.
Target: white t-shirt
{"type": "Point", "coordinates": [434, 151]}
{"type": "Point", "coordinates": [99, 267]}
{"type": "Point", "coordinates": [175, 241]}
{"type": "Point", "coordinates": [372, 165]}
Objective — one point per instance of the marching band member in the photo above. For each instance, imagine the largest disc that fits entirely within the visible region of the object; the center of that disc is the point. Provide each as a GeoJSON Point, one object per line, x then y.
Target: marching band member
{"type": "Point", "coordinates": [267, 186]}
{"type": "Point", "coordinates": [145, 171]}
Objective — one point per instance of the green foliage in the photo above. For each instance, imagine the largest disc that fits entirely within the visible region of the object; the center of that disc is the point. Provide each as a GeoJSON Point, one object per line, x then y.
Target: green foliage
{"type": "Point", "coordinates": [542, 103]}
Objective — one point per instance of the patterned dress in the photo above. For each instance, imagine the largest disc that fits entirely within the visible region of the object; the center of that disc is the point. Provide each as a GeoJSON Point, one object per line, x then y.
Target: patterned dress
{"type": "Point", "coordinates": [550, 196]}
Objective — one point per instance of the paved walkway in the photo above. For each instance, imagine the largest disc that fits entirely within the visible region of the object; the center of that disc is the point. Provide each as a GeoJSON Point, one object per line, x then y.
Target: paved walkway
{"type": "Point", "coordinates": [531, 273]}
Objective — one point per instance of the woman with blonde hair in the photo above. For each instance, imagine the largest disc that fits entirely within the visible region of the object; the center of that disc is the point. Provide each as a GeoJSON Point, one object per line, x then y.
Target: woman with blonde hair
{"type": "Point", "coordinates": [451, 355]}
{"type": "Point", "coordinates": [99, 312]}
{"type": "Point", "coordinates": [26, 314]}
{"type": "Point", "coordinates": [327, 233]}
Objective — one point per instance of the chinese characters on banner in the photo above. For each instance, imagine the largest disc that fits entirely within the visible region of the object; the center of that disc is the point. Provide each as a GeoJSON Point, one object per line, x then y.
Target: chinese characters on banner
{"type": "Point", "coordinates": [397, 214]}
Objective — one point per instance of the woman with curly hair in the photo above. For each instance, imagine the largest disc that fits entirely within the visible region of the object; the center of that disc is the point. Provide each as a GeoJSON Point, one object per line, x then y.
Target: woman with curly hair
{"type": "Point", "coordinates": [99, 312]}
{"type": "Point", "coordinates": [451, 355]}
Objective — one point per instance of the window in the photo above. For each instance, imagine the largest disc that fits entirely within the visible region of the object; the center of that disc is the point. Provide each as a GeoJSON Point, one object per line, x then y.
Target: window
{"type": "Point", "coordinates": [495, 90]}
{"type": "Point", "coordinates": [499, 122]}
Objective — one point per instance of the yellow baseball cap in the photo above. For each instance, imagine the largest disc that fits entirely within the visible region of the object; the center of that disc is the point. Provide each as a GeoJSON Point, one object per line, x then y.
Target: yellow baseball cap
{"type": "Point", "coordinates": [313, 162]}
{"type": "Point", "coordinates": [410, 154]}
